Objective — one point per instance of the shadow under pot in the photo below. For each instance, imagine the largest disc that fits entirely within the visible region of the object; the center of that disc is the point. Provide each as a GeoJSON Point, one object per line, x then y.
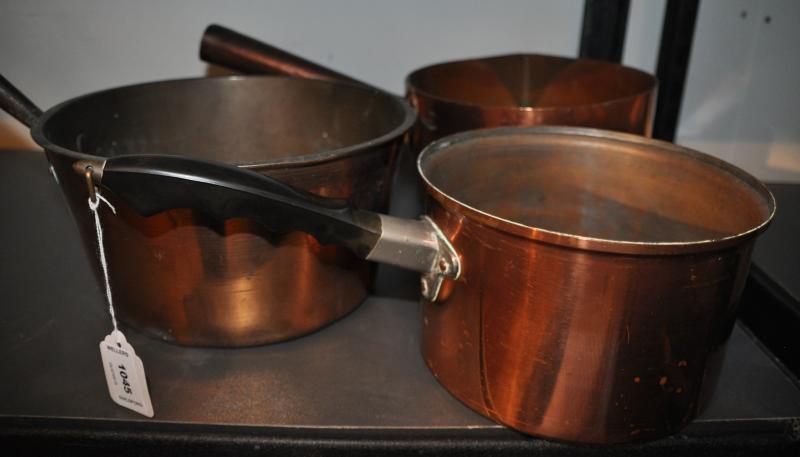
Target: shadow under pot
{"type": "Point", "coordinates": [197, 280]}
{"type": "Point", "coordinates": [578, 284]}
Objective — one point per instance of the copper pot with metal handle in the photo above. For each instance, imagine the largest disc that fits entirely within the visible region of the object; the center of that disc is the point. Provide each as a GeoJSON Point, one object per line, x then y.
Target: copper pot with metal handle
{"type": "Point", "coordinates": [191, 279]}
{"type": "Point", "coordinates": [508, 90]}
{"type": "Point", "coordinates": [578, 284]}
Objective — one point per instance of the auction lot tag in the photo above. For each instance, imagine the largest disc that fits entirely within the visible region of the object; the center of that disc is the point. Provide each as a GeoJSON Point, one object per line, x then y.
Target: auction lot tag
{"type": "Point", "coordinates": [127, 384]}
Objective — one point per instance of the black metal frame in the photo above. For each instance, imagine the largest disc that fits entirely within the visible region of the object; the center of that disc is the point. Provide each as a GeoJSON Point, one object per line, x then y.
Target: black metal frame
{"type": "Point", "coordinates": [604, 25]}
{"type": "Point", "coordinates": [677, 36]}
{"type": "Point", "coordinates": [603, 37]}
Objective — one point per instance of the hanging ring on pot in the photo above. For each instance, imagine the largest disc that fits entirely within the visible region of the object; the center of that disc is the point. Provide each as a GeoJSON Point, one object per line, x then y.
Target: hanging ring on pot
{"type": "Point", "coordinates": [93, 171]}
{"type": "Point", "coordinates": [87, 173]}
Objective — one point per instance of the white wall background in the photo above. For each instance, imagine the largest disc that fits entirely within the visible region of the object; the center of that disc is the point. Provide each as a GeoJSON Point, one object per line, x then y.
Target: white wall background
{"type": "Point", "coordinates": [55, 50]}
{"type": "Point", "coordinates": [742, 99]}
{"type": "Point", "coordinates": [643, 37]}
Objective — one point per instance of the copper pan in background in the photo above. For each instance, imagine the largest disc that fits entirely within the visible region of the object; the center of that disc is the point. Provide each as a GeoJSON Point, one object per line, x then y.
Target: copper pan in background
{"type": "Point", "coordinates": [188, 278]}
{"type": "Point", "coordinates": [509, 90]}
{"type": "Point", "coordinates": [578, 284]}
{"type": "Point", "coordinates": [527, 90]}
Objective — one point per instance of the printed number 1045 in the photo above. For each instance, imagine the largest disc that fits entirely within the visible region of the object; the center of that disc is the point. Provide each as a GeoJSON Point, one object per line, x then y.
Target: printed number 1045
{"type": "Point", "coordinates": [124, 375]}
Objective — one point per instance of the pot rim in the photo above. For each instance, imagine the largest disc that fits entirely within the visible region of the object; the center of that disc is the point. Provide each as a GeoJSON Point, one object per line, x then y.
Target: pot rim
{"type": "Point", "coordinates": [409, 117]}
{"type": "Point", "coordinates": [415, 90]}
{"type": "Point", "coordinates": [587, 242]}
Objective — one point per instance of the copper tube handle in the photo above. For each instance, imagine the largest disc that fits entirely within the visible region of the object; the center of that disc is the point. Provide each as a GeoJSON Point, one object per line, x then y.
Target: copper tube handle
{"type": "Point", "coordinates": [227, 48]}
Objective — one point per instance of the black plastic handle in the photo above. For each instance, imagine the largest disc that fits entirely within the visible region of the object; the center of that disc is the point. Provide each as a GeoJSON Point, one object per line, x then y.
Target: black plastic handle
{"type": "Point", "coordinates": [15, 103]}
{"type": "Point", "coordinates": [152, 183]}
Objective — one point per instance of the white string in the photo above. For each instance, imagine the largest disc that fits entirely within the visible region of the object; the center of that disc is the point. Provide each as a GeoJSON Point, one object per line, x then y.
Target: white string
{"type": "Point", "coordinates": [93, 205]}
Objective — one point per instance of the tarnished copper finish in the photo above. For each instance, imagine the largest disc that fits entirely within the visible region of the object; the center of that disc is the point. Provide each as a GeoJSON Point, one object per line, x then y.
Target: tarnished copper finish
{"type": "Point", "coordinates": [526, 90]}
{"type": "Point", "coordinates": [228, 48]}
{"type": "Point", "coordinates": [196, 281]}
{"type": "Point", "coordinates": [600, 278]}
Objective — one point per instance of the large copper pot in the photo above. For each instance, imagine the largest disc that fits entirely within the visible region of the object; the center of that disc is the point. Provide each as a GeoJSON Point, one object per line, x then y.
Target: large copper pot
{"type": "Point", "coordinates": [195, 280]}
{"type": "Point", "coordinates": [451, 97]}
{"type": "Point", "coordinates": [578, 284]}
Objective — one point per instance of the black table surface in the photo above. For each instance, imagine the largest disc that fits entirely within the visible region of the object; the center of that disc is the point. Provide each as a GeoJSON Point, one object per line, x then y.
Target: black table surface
{"type": "Point", "coordinates": [356, 386]}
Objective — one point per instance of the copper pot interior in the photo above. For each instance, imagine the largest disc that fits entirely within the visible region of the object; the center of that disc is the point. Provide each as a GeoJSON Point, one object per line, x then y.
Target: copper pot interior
{"type": "Point", "coordinates": [602, 188]}
{"type": "Point", "coordinates": [235, 120]}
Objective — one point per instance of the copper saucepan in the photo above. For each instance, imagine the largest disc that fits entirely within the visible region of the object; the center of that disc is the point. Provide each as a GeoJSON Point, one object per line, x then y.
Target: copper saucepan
{"type": "Point", "coordinates": [578, 284]}
{"type": "Point", "coordinates": [194, 280]}
{"type": "Point", "coordinates": [451, 97]}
